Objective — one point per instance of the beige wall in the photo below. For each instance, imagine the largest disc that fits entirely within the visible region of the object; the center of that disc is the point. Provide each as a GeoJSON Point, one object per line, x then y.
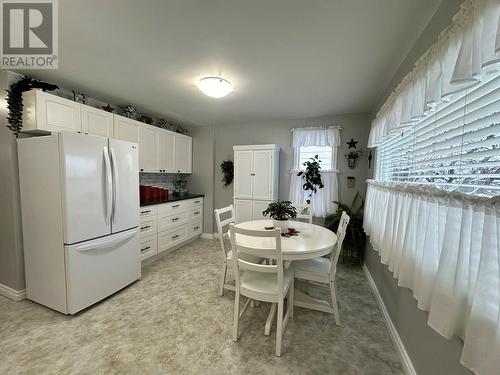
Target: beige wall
{"type": "Point", "coordinates": [11, 247]}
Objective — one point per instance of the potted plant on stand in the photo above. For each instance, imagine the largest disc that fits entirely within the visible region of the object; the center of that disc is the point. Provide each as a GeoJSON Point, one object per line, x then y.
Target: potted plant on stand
{"type": "Point", "coordinates": [311, 176]}
{"type": "Point", "coordinates": [355, 238]}
{"type": "Point", "coordinates": [281, 213]}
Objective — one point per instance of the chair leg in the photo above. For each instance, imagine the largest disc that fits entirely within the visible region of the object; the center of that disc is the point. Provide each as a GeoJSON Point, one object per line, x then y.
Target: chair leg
{"type": "Point", "coordinates": [290, 297]}
{"type": "Point", "coordinates": [333, 292]}
{"type": "Point", "coordinates": [279, 329]}
{"type": "Point", "coordinates": [223, 282]}
{"type": "Point", "coordinates": [236, 315]}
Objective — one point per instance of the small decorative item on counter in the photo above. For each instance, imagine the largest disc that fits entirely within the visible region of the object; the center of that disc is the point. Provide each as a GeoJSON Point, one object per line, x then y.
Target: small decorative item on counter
{"type": "Point", "coordinates": [128, 110]}
{"type": "Point", "coordinates": [108, 108]}
{"type": "Point", "coordinates": [180, 186]}
{"type": "Point", "coordinates": [281, 213]}
{"type": "Point", "coordinates": [146, 119]}
{"type": "Point", "coordinates": [227, 168]}
{"type": "Point", "coordinates": [79, 97]}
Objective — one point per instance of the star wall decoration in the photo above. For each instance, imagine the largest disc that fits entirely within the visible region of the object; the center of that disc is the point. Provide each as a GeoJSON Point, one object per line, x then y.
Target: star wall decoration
{"type": "Point", "coordinates": [352, 143]}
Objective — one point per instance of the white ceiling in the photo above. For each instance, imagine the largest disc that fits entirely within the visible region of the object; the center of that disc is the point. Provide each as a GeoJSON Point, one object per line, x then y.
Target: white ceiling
{"type": "Point", "coordinates": [286, 58]}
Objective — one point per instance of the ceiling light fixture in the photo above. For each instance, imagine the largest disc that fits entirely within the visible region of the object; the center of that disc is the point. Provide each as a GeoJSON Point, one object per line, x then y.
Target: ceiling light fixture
{"type": "Point", "coordinates": [215, 87]}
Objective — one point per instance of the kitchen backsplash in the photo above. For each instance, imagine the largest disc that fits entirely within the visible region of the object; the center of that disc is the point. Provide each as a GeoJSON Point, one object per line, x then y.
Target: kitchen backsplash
{"type": "Point", "coordinates": [165, 180]}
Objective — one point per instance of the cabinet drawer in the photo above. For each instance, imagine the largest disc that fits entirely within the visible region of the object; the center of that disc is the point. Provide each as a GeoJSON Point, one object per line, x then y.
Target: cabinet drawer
{"type": "Point", "coordinates": [148, 247]}
{"type": "Point", "coordinates": [172, 237]}
{"type": "Point", "coordinates": [195, 229]}
{"type": "Point", "coordinates": [148, 211]}
{"type": "Point", "coordinates": [195, 213]}
{"type": "Point", "coordinates": [148, 226]}
{"type": "Point", "coordinates": [196, 202]}
{"type": "Point", "coordinates": [169, 221]}
{"type": "Point", "coordinates": [172, 208]}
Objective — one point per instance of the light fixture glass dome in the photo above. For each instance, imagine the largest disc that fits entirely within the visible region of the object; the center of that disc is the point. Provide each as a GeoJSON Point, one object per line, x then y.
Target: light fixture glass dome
{"type": "Point", "coordinates": [215, 87]}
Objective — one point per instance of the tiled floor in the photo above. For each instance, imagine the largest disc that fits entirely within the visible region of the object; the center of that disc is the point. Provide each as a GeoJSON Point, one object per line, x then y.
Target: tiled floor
{"type": "Point", "coordinates": [173, 322]}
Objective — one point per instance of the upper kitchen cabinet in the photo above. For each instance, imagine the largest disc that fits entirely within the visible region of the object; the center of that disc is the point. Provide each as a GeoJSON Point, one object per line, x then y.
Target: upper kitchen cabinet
{"type": "Point", "coordinates": [167, 152]}
{"type": "Point", "coordinates": [149, 148]}
{"type": "Point", "coordinates": [183, 153]}
{"type": "Point", "coordinates": [96, 121]}
{"type": "Point", "coordinates": [44, 112]}
{"type": "Point", "coordinates": [126, 129]}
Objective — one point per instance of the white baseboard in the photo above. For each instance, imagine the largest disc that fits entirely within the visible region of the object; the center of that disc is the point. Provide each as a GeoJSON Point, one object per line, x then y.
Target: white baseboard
{"type": "Point", "coordinates": [400, 348]}
{"type": "Point", "coordinates": [207, 236]}
{"type": "Point", "coordinates": [15, 295]}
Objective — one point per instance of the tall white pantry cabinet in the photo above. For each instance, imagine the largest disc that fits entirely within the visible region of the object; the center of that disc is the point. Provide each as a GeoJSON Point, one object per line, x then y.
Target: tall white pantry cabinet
{"type": "Point", "coordinates": [256, 176]}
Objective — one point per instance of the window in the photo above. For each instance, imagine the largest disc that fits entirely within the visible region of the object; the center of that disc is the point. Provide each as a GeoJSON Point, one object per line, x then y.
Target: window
{"type": "Point", "coordinates": [456, 148]}
{"type": "Point", "coordinates": [324, 153]}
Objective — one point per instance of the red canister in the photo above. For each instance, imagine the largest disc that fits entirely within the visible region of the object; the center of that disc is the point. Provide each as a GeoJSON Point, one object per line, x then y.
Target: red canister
{"type": "Point", "coordinates": [148, 193]}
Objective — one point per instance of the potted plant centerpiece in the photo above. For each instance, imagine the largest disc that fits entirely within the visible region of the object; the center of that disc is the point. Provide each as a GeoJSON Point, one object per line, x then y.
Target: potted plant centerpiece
{"type": "Point", "coordinates": [281, 213]}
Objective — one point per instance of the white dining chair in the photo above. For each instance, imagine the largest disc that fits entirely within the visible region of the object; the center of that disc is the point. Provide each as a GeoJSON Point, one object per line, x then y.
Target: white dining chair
{"type": "Point", "coordinates": [304, 211]}
{"type": "Point", "coordinates": [323, 270]}
{"type": "Point", "coordinates": [261, 282]}
{"type": "Point", "coordinates": [226, 253]}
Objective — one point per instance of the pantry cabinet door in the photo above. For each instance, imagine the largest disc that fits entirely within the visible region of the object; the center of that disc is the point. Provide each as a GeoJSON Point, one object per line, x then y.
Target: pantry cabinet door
{"type": "Point", "coordinates": [96, 121]}
{"type": "Point", "coordinates": [149, 148]}
{"type": "Point", "coordinates": [262, 174]}
{"type": "Point", "coordinates": [243, 210]}
{"type": "Point", "coordinates": [243, 174]}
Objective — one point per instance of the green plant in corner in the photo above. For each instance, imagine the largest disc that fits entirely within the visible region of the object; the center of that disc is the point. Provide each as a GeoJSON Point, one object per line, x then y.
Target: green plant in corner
{"type": "Point", "coordinates": [311, 176]}
{"type": "Point", "coordinates": [227, 168]}
{"type": "Point", "coordinates": [355, 238]}
{"type": "Point", "coordinates": [280, 211]}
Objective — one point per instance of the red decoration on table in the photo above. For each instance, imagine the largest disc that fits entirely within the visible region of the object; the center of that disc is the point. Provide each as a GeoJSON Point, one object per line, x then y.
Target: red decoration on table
{"type": "Point", "coordinates": [291, 232]}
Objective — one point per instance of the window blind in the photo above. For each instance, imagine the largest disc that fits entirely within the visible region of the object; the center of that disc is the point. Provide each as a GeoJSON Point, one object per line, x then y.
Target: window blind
{"type": "Point", "coordinates": [456, 147]}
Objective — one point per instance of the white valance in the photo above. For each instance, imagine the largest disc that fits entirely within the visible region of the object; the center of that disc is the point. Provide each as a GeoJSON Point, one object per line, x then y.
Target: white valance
{"type": "Point", "coordinates": [445, 247]}
{"type": "Point", "coordinates": [465, 50]}
{"type": "Point", "coordinates": [316, 137]}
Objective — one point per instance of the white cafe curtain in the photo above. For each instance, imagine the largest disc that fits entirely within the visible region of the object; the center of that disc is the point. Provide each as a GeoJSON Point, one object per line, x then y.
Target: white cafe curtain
{"type": "Point", "coordinates": [321, 200]}
{"type": "Point", "coordinates": [445, 247]}
{"type": "Point", "coordinates": [470, 46]}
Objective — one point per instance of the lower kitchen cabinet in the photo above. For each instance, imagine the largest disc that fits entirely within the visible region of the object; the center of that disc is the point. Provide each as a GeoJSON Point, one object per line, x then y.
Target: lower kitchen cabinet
{"type": "Point", "coordinates": [165, 226]}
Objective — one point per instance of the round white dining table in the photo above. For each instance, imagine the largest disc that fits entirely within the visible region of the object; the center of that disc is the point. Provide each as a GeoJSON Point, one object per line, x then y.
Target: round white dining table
{"type": "Point", "coordinates": [312, 241]}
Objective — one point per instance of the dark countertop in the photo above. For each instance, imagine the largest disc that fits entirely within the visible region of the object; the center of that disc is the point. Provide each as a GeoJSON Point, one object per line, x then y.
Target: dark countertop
{"type": "Point", "coordinates": [172, 198]}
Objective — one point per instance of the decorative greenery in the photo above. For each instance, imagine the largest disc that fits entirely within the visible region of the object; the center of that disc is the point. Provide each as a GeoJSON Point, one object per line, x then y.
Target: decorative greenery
{"type": "Point", "coordinates": [15, 100]}
{"type": "Point", "coordinates": [280, 211]}
{"type": "Point", "coordinates": [227, 168]}
{"type": "Point", "coordinates": [311, 176]}
{"type": "Point", "coordinates": [355, 238]}
{"type": "Point", "coordinates": [351, 158]}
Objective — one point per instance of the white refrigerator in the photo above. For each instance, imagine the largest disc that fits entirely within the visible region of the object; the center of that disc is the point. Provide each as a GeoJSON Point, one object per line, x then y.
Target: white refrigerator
{"type": "Point", "coordinates": [80, 214]}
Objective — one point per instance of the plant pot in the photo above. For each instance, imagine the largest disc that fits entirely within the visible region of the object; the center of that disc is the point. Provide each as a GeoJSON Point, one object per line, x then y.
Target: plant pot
{"type": "Point", "coordinates": [282, 224]}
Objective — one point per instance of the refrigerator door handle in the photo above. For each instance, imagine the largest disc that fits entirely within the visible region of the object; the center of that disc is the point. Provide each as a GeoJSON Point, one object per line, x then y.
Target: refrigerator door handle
{"type": "Point", "coordinates": [109, 184]}
{"type": "Point", "coordinates": [105, 242]}
{"type": "Point", "coordinates": [115, 179]}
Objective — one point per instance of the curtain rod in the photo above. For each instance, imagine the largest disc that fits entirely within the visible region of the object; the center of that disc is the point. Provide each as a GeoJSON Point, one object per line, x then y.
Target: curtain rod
{"type": "Point", "coordinates": [317, 128]}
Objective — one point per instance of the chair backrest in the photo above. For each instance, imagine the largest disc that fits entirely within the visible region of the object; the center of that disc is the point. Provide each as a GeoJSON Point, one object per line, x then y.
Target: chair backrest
{"type": "Point", "coordinates": [221, 224]}
{"type": "Point", "coordinates": [304, 211]}
{"type": "Point", "coordinates": [241, 243]}
{"type": "Point", "coordinates": [341, 232]}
